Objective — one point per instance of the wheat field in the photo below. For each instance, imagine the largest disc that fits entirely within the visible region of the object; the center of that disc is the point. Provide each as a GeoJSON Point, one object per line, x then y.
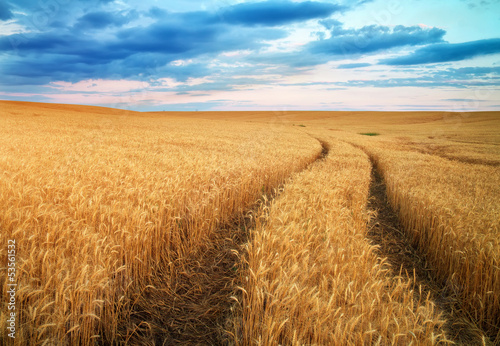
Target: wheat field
{"type": "Point", "coordinates": [450, 210]}
{"type": "Point", "coordinates": [246, 228]}
{"type": "Point", "coordinates": [313, 277]}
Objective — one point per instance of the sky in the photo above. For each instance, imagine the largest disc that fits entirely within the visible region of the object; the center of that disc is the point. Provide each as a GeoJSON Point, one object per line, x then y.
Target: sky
{"type": "Point", "coordinates": [229, 55]}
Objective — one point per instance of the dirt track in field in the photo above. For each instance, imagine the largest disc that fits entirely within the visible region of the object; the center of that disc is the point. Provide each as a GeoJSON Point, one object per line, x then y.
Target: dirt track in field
{"type": "Point", "coordinates": [385, 231]}
{"type": "Point", "coordinates": [166, 317]}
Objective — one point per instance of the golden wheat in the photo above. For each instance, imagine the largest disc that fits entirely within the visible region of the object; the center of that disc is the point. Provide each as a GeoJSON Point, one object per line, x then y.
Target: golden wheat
{"type": "Point", "coordinates": [313, 278]}
{"type": "Point", "coordinates": [129, 227]}
{"type": "Point", "coordinates": [450, 210]}
{"type": "Point", "coordinates": [98, 202]}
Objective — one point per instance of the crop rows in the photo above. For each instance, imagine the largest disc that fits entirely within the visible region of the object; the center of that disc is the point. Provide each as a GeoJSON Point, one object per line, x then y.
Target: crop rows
{"type": "Point", "coordinates": [450, 212]}
{"type": "Point", "coordinates": [99, 205]}
{"type": "Point", "coordinates": [313, 277]}
{"type": "Point", "coordinates": [134, 228]}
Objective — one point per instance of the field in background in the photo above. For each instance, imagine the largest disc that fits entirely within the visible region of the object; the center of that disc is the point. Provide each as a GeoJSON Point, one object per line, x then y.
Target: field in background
{"type": "Point", "coordinates": [135, 227]}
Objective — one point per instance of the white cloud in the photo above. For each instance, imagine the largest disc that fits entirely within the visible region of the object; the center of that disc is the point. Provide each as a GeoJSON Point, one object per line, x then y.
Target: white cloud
{"type": "Point", "coordinates": [100, 85]}
{"type": "Point", "coordinates": [181, 62]}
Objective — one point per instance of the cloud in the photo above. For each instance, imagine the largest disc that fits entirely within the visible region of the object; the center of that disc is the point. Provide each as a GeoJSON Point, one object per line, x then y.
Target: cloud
{"type": "Point", "coordinates": [97, 51]}
{"type": "Point", "coordinates": [291, 60]}
{"type": "Point", "coordinates": [189, 106]}
{"type": "Point", "coordinates": [265, 13]}
{"type": "Point", "coordinates": [48, 68]}
{"type": "Point", "coordinates": [102, 19]}
{"type": "Point", "coordinates": [38, 16]}
{"type": "Point", "coordinates": [471, 72]}
{"type": "Point", "coordinates": [460, 78]}
{"type": "Point", "coordinates": [99, 45]}
{"type": "Point", "coordinates": [464, 100]}
{"type": "Point", "coordinates": [5, 12]}
{"type": "Point", "coordinates": [444, 52]}
{"type": "Point", "coordinates": [351, 43]}
{"type": "Point", "coordinates": [355, 65]}
{"type": "Point", "coordinates": [185, 40]}
{"type": "Point", "coordinates": [75, 53]}
{"type": "Point", "coordinates": [372, 38]}
{"type": "Point", "coordinates": [481, 4]}
{"type": "Point", "coordinates": [416, 82]}
{"type": "Point", "coordinates": [156, 12]}
{"type": "Point", "coordinates": [274, 13]}
{"type": "Point", "coordinates": [100, 86]}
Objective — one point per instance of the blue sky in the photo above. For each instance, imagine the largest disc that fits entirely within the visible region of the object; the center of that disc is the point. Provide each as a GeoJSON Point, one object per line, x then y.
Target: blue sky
{"type": "Point", "coordinates": [253, 55]}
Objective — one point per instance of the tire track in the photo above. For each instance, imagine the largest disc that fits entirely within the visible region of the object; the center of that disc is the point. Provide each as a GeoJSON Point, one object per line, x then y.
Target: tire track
{"type": "Point", "coordinates": [439, 151]}
{"type": "Point", "coordinates": [461, 159]}
{"type": "Point", "coordinates": [386, 232]}
{"type": "Point", "coordinates": [248, 224]}
{"type": "Point", "coordinates": [165, 316]}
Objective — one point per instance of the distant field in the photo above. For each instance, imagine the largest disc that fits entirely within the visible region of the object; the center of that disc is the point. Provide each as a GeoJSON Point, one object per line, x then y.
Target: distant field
{"type": "Point", "coordinates": [249, 227]}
